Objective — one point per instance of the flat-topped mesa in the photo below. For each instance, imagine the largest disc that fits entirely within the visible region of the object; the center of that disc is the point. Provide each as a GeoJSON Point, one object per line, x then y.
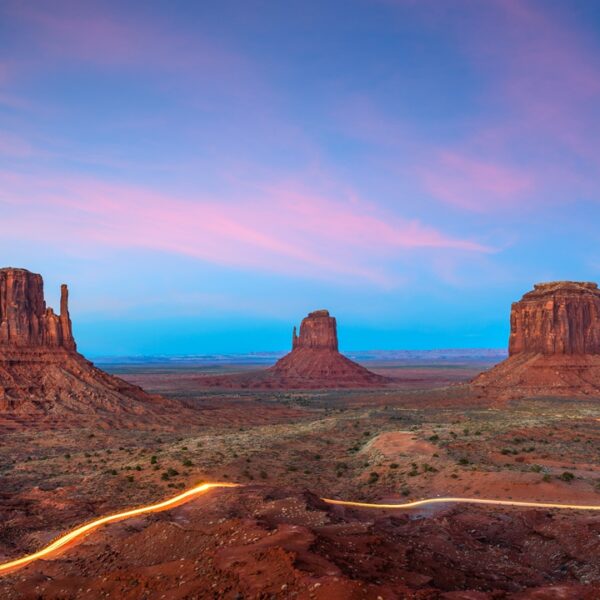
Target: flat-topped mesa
{"type": "Point", "coordinates": [560, 317]}
{"type": "Point", "coordinates": [318, 331]}
{"type": "Point", "coordinates": [25, 321]}
{"type": "Point", "coordinates": [554, 345]}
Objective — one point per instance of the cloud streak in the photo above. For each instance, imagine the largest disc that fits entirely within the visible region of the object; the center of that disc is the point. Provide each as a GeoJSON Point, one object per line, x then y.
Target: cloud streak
{"type": "Point", "coordinates": [281, 228]}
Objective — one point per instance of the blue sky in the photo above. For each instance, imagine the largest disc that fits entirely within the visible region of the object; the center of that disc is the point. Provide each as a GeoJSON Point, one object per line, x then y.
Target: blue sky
{"type": "Point", "coordinates": [204, 174]}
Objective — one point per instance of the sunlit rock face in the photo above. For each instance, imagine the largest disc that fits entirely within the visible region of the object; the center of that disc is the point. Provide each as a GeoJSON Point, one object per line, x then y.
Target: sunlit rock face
{"type": "Point", "coordinates": [317, 331]}
{"type": "Point", "coordinates": [314, 363]}
{"type": "Point", "coordinates": [24, 318]}
{"type": "Point", "coordinates": [41, 371]}
{"type": "Point", "coordinates": [554, 345]}
{"type": "Point", "coordinates": [562, 317]}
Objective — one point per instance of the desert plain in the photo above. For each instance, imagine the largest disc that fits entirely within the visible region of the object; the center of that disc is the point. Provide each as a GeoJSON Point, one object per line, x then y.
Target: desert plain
{"type": "Point", "coordinates": [426, 435]}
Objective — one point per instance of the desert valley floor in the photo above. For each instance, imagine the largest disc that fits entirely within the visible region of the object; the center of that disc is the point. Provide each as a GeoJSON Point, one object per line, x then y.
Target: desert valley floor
{"type": "Point", "coordinates": [425, 436]}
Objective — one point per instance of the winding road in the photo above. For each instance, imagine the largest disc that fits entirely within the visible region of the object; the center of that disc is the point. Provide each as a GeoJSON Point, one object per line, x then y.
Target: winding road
{"type": "Point", "coordinates": [76, 535]}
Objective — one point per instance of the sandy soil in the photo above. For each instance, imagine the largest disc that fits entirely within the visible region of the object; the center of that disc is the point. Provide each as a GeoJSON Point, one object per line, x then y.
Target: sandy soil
{"type": "Point", "coordinates": [275, 539]}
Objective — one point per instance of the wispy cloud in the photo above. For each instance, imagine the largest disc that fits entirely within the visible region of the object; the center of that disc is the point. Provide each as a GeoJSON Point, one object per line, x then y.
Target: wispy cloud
{"type": "Point", "coordinates": [278, 228]}
{"type": "Point", "coordinates": [475, 184]}
{"type": "Point", "coordinates": [534, 138]}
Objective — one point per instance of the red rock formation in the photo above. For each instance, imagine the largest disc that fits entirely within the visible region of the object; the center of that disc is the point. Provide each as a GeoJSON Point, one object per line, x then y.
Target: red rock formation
{"type": "Point", "coordinates": [40, 369]}
{"type": "Point", "coordinates": [317, 331]}
{"type": "Point", "coordinates": [557, 318]}
{"type": "Point", "coordinates": [554, 344]}
{"type": "Point", "coordinates": [313, 363]}
{"type": "Point", "coordinates": [24, 319]}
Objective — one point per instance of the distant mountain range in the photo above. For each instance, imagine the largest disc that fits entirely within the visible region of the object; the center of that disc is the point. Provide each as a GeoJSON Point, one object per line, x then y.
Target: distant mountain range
{"type": "Point", "coordinates": [267, 358]}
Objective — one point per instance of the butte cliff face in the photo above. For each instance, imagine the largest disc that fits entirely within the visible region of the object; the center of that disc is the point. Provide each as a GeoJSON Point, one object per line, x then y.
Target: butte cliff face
{"type": "Point", "coordinates": [562, 317]}
{"type": "Point", "coordinates": [318, 331]}
{"type": "Point", "coordinates": [314, 363]}
{"type": "Point", "coordinates": [554, 344]}
{"type": "Point", "coordinates": [24, 319]}
{"type": "Point", "coordinates": [41, 372]}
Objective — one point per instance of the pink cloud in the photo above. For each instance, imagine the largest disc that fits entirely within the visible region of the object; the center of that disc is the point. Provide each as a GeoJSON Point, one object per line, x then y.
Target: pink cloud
{"type": "Point", "coordinates": [280, 229]}
{"type": "Point", "coordinates": [475, 184]}
{"type": "Point", "coordinates": [535, 138]}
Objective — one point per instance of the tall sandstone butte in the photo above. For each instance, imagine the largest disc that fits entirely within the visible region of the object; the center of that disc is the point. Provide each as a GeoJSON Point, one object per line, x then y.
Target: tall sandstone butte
{"type": "Point", "coordinates": [24, 319]}
{"type": "Point", "coordinates": [554, 344]}
{"type": "Point", "coordinates": [317, 331]}
{"type": "Point", "coordinates": [314, 363]}
{"type": "Point", "coordinates": [41, 370]}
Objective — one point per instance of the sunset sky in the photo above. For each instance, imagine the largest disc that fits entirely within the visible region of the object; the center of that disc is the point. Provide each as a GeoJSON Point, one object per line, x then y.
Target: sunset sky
{"type": "Point", "coordinates": [203, 174]}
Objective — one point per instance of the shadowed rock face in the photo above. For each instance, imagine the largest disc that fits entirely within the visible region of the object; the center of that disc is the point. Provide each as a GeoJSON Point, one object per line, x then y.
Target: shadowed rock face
{"type": "Point", "coordinates": [557, 318]}
{"type": "Point", "coordinates": [554, 345]}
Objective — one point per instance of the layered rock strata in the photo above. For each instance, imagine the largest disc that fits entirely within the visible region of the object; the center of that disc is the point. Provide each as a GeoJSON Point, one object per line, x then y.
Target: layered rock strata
{"type": "Point", "coordinates": [554, 344]}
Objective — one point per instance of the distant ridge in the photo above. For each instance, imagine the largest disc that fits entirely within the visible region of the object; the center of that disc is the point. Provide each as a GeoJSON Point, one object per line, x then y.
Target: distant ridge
{"type": "Point", "coordinates": [314, 363]}
{"type": "Point", "coordinates": [260, 358]}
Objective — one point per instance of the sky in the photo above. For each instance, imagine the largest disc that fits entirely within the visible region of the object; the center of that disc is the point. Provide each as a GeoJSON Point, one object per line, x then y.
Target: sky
{"type": "Point", "coordinates": [203, 174]}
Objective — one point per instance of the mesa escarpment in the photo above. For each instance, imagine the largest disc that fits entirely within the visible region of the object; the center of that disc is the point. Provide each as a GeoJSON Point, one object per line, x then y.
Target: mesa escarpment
{"type": "Point", "coordinates": [314, 362]}
{"type": "Point", "coordinates": [562, 317]}
{"type": "Point", "coordinates": [41, 371]}
{"type": "Point", "coordinates": [554, 344]}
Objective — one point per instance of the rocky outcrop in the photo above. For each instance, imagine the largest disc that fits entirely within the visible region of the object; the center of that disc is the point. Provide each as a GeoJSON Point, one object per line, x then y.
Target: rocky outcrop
{"type": "Point", "coordinates": [25, 321]}
{"type": "Point", "coordinates": [562, 317]}
{"type": "Point", "coordinates": [314, 363]}
{"type": "Point", "coordinates": [317, 331]}
{"type": "Point", "coordinates": [41, 372]}
{"type": "Point", "coordinates": [554, 344]}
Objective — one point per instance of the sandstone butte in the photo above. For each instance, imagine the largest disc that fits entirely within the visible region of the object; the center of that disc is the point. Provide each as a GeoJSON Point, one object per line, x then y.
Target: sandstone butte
{"type": "Point", "coordinates": [315, 362]}
{"type": "Point", "coordinates": [554, 345]}
{"type": "Point", "coordinates": [41, 372]}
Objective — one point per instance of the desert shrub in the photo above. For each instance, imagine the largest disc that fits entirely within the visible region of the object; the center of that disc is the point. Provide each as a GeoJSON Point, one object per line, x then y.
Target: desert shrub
{"type": "Point", "coordinates": [394, 466]}
{"type": "Point", "coordinates": [427, 468]}
{"type": "Point", "coordinates": [463, 461]}
{"type": "Point", "coordinates": [153, 460]}
{"type": "Point", "coordinates": [187, 463]}
{"type": "Point", "coordinates": [567, 476]}
{"type": "Point", "coordinates": [373, 477]}
{"type": "Point", "coordinates": [434, 438]}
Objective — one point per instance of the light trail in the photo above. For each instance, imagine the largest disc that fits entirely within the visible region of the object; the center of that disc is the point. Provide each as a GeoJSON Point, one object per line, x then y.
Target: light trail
{"type": "Point", "coordinates": [76, 535]}
{"type": "Point", "coordinates": [426, 501]}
